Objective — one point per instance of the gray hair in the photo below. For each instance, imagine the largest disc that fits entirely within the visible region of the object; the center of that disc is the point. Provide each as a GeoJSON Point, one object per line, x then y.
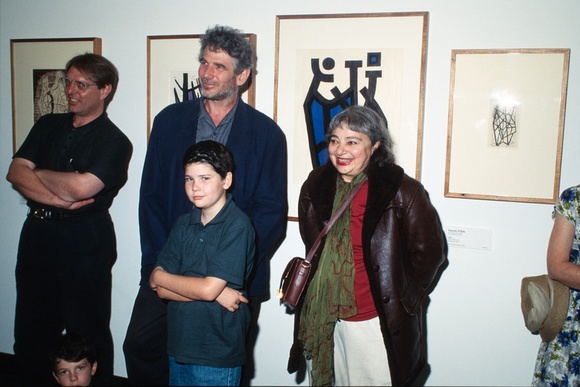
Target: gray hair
{"type": "Point", "coordinates": [365, 120]}
{"type": "Point", "coordinates": [233, 42]}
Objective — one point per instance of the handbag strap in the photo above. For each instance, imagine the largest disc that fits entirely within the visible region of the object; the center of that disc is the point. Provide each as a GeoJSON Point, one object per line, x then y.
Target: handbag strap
{"type": "Point", "coordinates": [332, 220]}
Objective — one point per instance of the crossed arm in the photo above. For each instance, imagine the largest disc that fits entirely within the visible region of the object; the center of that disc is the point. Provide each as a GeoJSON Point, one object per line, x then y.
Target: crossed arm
{"type": "Point", "coordinates": [67, 190]}
{"type": "Point", "coordinates": [183, 288]}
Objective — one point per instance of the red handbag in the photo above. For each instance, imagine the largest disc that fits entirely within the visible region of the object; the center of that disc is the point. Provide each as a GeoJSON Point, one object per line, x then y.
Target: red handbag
{"type": "Point", "coordinates": [297, 271]}
{"type": "Point", "coordinates": [293, 281]}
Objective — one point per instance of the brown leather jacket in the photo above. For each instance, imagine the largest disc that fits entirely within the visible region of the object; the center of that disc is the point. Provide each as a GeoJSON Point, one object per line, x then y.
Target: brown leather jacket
{"type": "Point", "coordinates": [404, 249]}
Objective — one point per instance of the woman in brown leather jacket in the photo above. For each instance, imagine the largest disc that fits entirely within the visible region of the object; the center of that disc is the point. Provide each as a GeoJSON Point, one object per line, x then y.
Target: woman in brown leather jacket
{"type": "Point", "coordinates": [361, 319]}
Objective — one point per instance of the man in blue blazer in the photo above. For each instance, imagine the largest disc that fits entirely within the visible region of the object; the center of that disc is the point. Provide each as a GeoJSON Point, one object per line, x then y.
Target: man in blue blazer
{"type": "Point", "coordinates": [260, 182]}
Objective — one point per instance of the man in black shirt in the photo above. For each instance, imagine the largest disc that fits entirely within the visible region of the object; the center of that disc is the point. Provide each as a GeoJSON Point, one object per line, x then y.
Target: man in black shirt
{"type": "Point", "coordinates": [69, 169]}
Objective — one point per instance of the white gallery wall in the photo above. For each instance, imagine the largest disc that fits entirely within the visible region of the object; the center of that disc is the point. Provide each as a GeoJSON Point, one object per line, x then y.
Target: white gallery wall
{"type": "Point", "coordinates": [476, 334]}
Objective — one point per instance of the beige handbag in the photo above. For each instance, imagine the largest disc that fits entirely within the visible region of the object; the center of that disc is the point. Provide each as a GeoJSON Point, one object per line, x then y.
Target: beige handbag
{"type": "Point", "coordinates": [544, 305]}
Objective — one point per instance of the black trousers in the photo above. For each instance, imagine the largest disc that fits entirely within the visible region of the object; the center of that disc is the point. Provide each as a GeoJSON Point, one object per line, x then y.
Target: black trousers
{"type": "Point", "coordinates": [145, 346]}
{"type": "Point", "coordinates": [63, 282]}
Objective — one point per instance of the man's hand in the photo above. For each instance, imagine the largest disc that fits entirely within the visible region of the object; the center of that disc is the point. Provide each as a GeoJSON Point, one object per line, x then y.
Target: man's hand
{"type": "Point", "coordinates": [230, 299]}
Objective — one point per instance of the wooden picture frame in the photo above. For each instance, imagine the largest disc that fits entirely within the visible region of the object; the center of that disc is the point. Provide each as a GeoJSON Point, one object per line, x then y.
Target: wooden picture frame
{"type": "Point", "coordinates": [506, 124]}
{"type": "Point", "coordinates": [172, 60]}
{"type": "Point", "coordinates": [36, 66]}
{"type": "Point", "coordinates": [328, 62]}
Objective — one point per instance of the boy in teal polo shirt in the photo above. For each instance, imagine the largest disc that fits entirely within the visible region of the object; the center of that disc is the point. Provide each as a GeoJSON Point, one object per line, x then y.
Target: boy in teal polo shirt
{"type": "Point", "coordinates": [202, 270]}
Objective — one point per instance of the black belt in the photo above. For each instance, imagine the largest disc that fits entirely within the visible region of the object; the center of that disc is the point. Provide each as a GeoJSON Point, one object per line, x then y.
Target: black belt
{"type": "Point", "coordinates": [42, 213]}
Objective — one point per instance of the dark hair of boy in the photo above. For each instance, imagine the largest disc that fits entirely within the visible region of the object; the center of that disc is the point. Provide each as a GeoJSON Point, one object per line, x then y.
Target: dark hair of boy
{"type": "Point", "coordinates": [72, 347]}
{"type": "Point", "coordinates": [212, 153]}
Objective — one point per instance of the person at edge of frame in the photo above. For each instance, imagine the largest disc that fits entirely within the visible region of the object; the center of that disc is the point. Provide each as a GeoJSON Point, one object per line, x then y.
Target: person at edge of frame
{"type": "Point", "coordinates": [74, 360]}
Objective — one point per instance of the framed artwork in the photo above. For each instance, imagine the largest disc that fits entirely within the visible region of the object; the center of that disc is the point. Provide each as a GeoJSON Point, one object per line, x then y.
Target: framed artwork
{"type": "Point", "coordinates": [325, 63]}
{"type": "Point", "coordinates": [37, 67]}
{"type": "Point", "coordinates": [506, 124]}
{"type": "Point", "coordinates": [172, 64]}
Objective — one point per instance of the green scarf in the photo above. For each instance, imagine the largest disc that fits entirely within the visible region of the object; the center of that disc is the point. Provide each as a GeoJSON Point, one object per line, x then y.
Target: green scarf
{"type": "Point", "coordinates": [330, 294]}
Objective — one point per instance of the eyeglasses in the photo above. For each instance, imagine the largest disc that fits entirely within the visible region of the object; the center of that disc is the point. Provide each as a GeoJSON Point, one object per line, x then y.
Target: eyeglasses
{"type": "Point", "coordinates": [81, 86]}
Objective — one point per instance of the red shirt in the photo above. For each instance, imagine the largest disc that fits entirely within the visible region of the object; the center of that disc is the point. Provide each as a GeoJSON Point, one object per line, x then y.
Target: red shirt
{"type": "Point", "coordinates": [362, 289]}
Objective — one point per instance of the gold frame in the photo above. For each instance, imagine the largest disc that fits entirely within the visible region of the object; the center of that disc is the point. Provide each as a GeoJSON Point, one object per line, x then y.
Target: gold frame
{"type": "Point", "coordinates": [30, 54]}
{"type": "Point", "coordinates": [178, 53]}
{"type": "Point", "coordinates": [506, 124]}
{"type": "Point", "coordinates": [400, 38]}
